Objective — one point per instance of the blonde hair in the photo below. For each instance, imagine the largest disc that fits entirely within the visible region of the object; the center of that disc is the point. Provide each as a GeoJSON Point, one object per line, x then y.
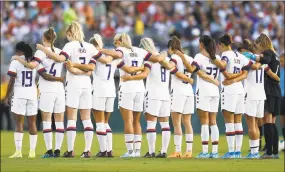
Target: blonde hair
{"type": "Point", "coordinates": [50, 36]}
{"type": "Point", "coordinates": [76, 31]}
{"type": "Point", "coordinates": [124, 39]}
{"type": "Point", "coordinates": [264, 42]}
{"type": "Point", "coordinates": [96, 40]}
{"type": "Point", "coordinates": [148, 44]}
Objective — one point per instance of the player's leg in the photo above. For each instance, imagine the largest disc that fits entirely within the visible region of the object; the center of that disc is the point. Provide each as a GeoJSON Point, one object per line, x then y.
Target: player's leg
{"type": "Point", "coordinates": [59, 133]}
{"type": "Point", "coordinates": [127, 116]}
{"type": "Point", "coordinates": [109, 135]}
{"type": "Point", "coordinates": [204, 120]}
{"type": "Point", "coordinates": [282, 116]}
{"type": "Point", "coordinates": [238, 134]}
{"type": "Point", "coordinates": [32, 110]}
{"type": "Point", "coordinates": [165, 134]}
{"type": "Point", "coordinates": [137, 109]}
{"type": "Point", "coordinates": [18, 135]}
{"type": "Point", "coordinates": [252, 134]}
{"type": "Point", "coordinates": [151, 134]}
{"type": "Point", "coordinates": [259, 122]}
{"type": "Point", "coordinates": [275, 145]}
{"type": "Point", "coordinates": [186, 120]}
{"type": "Point", "coordinates": [214, 134]}
{"type": "Point", "coordinates": [47, 132]}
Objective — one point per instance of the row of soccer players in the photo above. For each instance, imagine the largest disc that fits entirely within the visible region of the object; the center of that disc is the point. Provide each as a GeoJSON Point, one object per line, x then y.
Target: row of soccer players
{"type": "Point", "coordinates": [136, 64]}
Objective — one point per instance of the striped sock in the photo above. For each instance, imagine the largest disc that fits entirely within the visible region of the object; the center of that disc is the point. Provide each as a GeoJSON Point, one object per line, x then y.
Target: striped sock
{"type": "Point", "coordinates": [71, 134]}
{"type": "Point", "coordinates": [47, 134]}
{"type": "Point", "coordinates": [59, 135]}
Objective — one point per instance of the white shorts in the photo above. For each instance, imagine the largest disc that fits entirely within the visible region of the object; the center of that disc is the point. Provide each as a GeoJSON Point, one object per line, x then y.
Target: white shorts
{"type": "Point", "coordinates": [233, 103]}
{"type": "Point", "coordinates": [105, 104]}
{"type": "Point", "coordinates": [52, 102]}
{"type": "Point", "coordinates": [255, 108]}
{"type": "Point", "coordinates": [182, 104]}
{"type": "Point", "coordinates": [208, 104]}
{"type": "Point", "coordinates": [24, 107]}
{"type": "Point", "coordinates": [131, 101]}
{"type": "Point", "coordinates": [158, 108]}
{"type": "Point", "coordinates": [79, 98]}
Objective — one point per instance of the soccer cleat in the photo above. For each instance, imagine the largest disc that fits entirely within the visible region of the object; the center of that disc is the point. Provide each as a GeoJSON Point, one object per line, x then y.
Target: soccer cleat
{"type": "Point", "coordinates": [214, 155]}
{"type": "Point", "coordinates": [56, 153]}
{"type": "Point", "coordinates": [32, 154]}
{"type": "Point", "coordinates": [175, 155]}
{"type": "Point", "coordinates": [229, 155]}
{"type": "Point", "coordinates": [86, 154]}
{"type": "Point", "coordinates": [137, 153]}
{"type": "Point", "coordinates": [276, 156]}
{"type": "Point", "coordinates": [129, 154]}
{"type": "Point", "coordinates": [101, 154]}
{"type": "Point", "coordinates": [161, 155]}
{"type": "Point", "coordinates": [263, 149]}
{"type": "Point", "coordinates": [203, 155]}
{"type": "Point", "coordinates": [187, 155]}
{"type": "Point", "coordinates": [68, 154]}
{"type": "Point", "coordinates": [48, 154]}
{"type": "Point", "coordinates": [149, 155]}
{"type": "Point", "coordinates": [110, 154]}
{"type": "Point", "coordinates": [266, 156]}
{"type": "Point", "coordinates": [238, 154]}
{"type": "Point", "coordinates": [251, 156]}
{"type": "Point", "coordinates": [17, 154]}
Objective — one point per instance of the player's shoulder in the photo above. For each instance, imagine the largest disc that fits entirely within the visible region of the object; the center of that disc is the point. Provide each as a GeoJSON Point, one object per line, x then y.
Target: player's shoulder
{"type": "Point", "coordinates": [188, 58]}
{"type": "Point", "coordinates": [228, 54]}
{"type": "Point", "coordinates": [199, 56]}
{"type": "Point", "coordinates": [175, 56]}
{"type": "Point", "coordinates": [57, 50]}
{"type": "Point", "coordinates": [15, 63]}
{"type": "Point", "coordinates": [39, 53]}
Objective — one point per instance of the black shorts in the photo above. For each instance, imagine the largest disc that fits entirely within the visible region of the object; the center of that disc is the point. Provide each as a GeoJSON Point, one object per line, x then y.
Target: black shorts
{"type": "Point", "coordinates": [272, 105]}
{"type": "Point", "coordinates": [282, 108]}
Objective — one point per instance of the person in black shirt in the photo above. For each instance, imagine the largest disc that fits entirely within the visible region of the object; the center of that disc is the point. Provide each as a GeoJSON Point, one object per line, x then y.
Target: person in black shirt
{"type": "Point", "coordinates": [273, 95]}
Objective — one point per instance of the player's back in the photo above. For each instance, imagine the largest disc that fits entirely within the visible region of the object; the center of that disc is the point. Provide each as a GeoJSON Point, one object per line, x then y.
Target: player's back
{"type": "Point", "coordinates": [25, 83]}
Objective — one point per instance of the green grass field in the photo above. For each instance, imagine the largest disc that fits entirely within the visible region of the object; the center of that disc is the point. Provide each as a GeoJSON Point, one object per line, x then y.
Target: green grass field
{"type": "Point", "coordinates": [124, 165]}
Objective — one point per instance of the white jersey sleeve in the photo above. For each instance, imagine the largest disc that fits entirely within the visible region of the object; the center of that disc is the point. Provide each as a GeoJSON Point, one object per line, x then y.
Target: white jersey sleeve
{"type": "Point", "coordinates": [13, 68]}
{"type": "Point", "coordinates": [67, 50]}
{"type": "Point", "coordinates": [39, 56]}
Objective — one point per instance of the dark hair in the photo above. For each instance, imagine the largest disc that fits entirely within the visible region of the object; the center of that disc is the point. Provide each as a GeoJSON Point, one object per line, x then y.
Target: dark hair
{"type": "Point", "coordinates": [226, 40]}
{"type": "Point", "coordinates": [26, 49]}
{"type": "Point", "coordinates": [209, 45]}
{"type": "Point", "coordinates": [247, 45]}
{"type": "Point", "coordinates": [50, 36]}
{"type": "Point", "coordinates": [175, 44]}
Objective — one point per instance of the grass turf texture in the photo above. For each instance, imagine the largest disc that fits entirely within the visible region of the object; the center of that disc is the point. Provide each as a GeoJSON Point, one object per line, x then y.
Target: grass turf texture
{"type": "Point", "coordinates": [125, 165]}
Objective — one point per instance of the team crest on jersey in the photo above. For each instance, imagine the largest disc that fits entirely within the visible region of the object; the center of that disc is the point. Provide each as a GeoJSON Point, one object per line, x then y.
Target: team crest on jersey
{"type": "Point", "coordinates": [133, 54]}
{"type": "Point", "coordinates": [237, 61]}
{"type": "Point", "coordinates": [82, 50]}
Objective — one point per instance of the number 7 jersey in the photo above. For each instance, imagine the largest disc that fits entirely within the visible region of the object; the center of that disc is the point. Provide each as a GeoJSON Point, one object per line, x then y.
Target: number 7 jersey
{"type": "Point", "coordinates": [25, 85]}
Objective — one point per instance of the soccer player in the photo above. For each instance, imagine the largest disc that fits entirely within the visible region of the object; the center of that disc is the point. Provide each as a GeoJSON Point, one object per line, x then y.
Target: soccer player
{"type": "Point", "coordinates": [233, 64]}
{"type": "Point", "coordinates": [131, 93]}
{"type": "Point", "coordinates": [80, 55]}
{"type": "Point", "coordinates": [207, 94]}
{"type": "Point", "coordinates": [282, 111]}
{"type": "Point", "coordinates": [24, 101]}
{"type": "Point", "coordinates": [182, 103]}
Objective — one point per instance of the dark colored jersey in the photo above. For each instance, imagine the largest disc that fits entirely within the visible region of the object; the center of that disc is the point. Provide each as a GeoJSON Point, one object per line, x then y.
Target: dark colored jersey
{"type": "Point", "coordinates": [271, 86]}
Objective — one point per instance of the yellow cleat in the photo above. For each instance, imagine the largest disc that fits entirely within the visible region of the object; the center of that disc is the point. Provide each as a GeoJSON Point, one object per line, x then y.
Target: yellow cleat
{"type": "Point", "coordinates": [175, 155]}
{"type": "Point", "coordinates": [187, 155]}
{"type": "Point", "coordinates": [17, 154]}
{"type": "Point", "coordinates": [32, 154]}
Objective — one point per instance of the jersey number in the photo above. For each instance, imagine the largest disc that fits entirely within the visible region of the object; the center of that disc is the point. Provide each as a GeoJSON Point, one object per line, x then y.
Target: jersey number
{"type": "Point", "coordinates": [259, 75]}
{"type": "Point", "coordinates": [163, 74]}
{"type": "Point", "coordinates": [52, 70]}
{"type": "Point", "coordinates": [83, 60]}
{"type": "Point", "coordinates": [236, 70]}
{"type": "Point", "coordinates": [109, 72]}
{"type": "Point", "coordinates": [187, 74]}
{"type": "Point", "coordinates": [27, 76]}
{"type": "Point", "coordinates": [210, 71]}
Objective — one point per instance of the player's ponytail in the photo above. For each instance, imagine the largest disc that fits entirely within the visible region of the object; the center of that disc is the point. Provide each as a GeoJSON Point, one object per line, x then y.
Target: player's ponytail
{"type": "Point", "coordinates": [265, 42]}
{"type": "Point", "coordinates": [126, 41]}
{"type": "Point", "coordinates": [148, 44]}
{"type": "Point", "coordinates": [96, 40]}
{"type": "Point", "coordinates": [247, 45]}
{"type": "Point", "coordinates": [50, 36]}
{"type": "Point", "coordinates": [175, 44]}
{"type": "Point", "coordinates": [226, 39]}
{"type": "Point", "coordinates": [75, 31]}
{"type": "Point", "coordinates": [209, 45]}
{"type": "Point", "coordinates": [26, 49]}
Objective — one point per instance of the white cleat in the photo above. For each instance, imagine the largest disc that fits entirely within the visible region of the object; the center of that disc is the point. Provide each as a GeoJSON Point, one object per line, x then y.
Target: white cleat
{"type": "Point", "coordinates": [128, 155]}
{"type": "Point", "coordinates": [32, 154]}
{"type": "Point", "coordinates": [137, 153]}
{"type": "Point", "coordinates": [17, 154]}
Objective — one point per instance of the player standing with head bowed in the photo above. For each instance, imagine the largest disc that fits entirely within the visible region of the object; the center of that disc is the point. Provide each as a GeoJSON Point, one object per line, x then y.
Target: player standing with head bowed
{"type": "Point", "coordinates": [24, 102]}
{"type": "Point", "coordinates": [81, 55]}
{"type": "Point", "coordinates": [131, 93]}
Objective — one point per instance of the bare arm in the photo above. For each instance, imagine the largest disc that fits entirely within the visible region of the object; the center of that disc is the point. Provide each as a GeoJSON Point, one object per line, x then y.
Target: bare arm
{"type": "Point", "coordinates": [139, 76]}
{"type": "Point", "coordinates": [158, 58]}
{"type": "Point", "coordinates": [113, 53]}
{"type": "Point", "coordinates": [256, 66]}
{"type": "Point", "coordinates": [273, 75]}
{"type": "Point", "coordinates": [49, 77]}
{"type": "Point", "coordinates": [31, 65]}
{"type": "Point", "coordinates": [168, 65]}
{"type": "Point", "coordinates": [76, 71]}
{"type": "Point", "coordinates": [52, 55]}
{"type": "Point", "coordinates": [132, 69]}
{"type": "Point", "coordinates": [9, 90]}
{"type": "Point", "coordinates": [185, 62]}
{"type": "Point", "coordinates": [84, 67]}
{"type": "Point", "coordinates": [208, 78]}
{"type": "Point", "coordinates": [220, 63]}
{"type": "Point", "coordinates": [230, 75]}
{"type": "Point", "coordinates": [184, 78]}
{"type": "Point", "coordinates": [105, 60]}
{"type": "Point", "coordinates": [237, 79]}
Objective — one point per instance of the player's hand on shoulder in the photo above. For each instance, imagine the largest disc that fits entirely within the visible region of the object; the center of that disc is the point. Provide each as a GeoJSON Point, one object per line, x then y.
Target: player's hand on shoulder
{"type": "Point", "coordinates": [40, 47]}
{"type": "Point", "coordinates": [125, 78]}
{"type": "Point", "coordinates": [228, 82]}
{"type": "Point", "coordinates": [15, 57]}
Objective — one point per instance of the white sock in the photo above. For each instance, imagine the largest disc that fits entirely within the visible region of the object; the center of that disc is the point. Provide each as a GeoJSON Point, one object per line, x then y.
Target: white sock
{"type": "Point", "coordinates": [33, 142]}
{"type": "Point", "coordinates": [254, 145]}
{"type": "Point", "coordinates": [88, 134]}
{"type": "Point", "coordinates": [47, 134]}
{"type": "Point", "coordinates": [230, 134]}
{"type": "Point", "coordinates": [109, 137]}
{"type": "Point", "coordinates": [189, 142]}
{"type": "Point", "coordinates": [215, 138]}
{"type": "Point", "coordinates": [138, 142]}
{"type": "Point", "coordinates": [18, 139]}
{"type": "Point", "coordinates": [101, 136]}
{"type": "Point", "coordinates": [177, 142]}
{"type": "Point", "coordinates": [239, 136]}
{"type": "Point", "coordinates": [257, 146]}
{"type": "Point", "coordinates": [71, 134]}
{"type": "Point", "coordinates": [205, 138]}
{"type": "Point", "coordinates": [59, 135]}
{"type": "Point", "coordinates": [151, 136]}
{"type": "Point", "coordinates": [165, 136]}
{"type": "Point", "coordinates": [129, 140]}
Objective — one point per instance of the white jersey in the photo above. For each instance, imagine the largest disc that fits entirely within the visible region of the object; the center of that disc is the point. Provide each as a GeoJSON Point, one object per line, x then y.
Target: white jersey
{"type": "Point", "coordinates": [50, 67]}
{"type": "Point", "coordinates": [254, 84]}
{"type": "Point", "coordinates": [205, 88]}
{"type": "Point", "coordinates": [157, 82]}
{"type": "Point", "coordinates": [178, 86]}
{"type": "Point", "coordinates": [25, 83]}
{"type": "Point", "coordinates": [132, 57]}
{"type": "Point", "coordinates": [79, 52]}
{"type": "Point", "coordinates": [103, 79]}
{"type": "Point", "coordinates": [236, 62]}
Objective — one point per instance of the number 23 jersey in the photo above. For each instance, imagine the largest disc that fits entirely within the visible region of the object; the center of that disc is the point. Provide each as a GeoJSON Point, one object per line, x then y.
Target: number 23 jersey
{"type": "Point", "coordinates": [25, 85]}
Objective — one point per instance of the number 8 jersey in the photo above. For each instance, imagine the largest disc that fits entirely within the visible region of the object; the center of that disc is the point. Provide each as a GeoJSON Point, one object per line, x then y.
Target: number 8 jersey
{"type": "Point", "coordinates": [25, 85]}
